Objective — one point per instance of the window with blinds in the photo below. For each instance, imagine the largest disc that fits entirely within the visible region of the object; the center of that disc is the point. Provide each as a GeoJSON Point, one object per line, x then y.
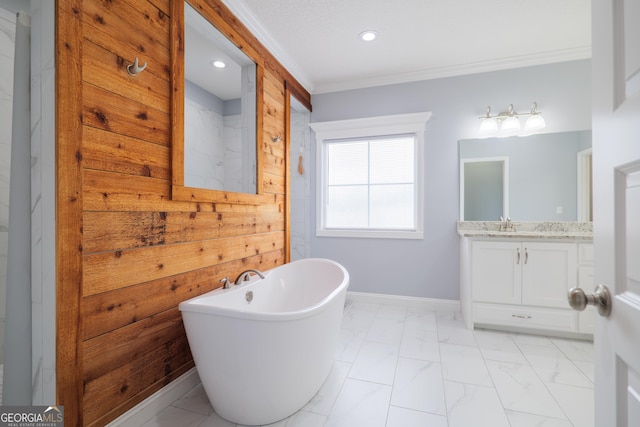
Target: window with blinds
{"type": "Point", "coordinates": [370, 177]}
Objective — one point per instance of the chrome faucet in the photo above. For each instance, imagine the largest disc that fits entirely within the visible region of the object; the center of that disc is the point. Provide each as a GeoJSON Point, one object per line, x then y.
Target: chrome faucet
{"type": "Point", "coordinates": [226, 283]}
{"type": "Point", "coordinates": [246, 275]}
{"type": "Point", "coordinates": [506, 225]}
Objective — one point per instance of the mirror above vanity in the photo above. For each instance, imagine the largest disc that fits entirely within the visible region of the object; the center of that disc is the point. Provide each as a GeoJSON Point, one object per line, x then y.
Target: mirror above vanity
{"type": "Point", "coordinates": [544, 177]}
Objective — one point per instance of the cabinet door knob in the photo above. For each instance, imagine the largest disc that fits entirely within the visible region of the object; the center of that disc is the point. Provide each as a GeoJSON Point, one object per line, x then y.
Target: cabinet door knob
{"type": "Point", "coordinates": [601, 298]}
{"type": "Point", "coordinates": [526, 255]}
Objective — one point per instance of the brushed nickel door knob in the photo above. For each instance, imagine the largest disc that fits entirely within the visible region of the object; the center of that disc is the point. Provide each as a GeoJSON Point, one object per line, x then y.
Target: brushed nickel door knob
{"type": "Point", "coordinates": [601, 298]}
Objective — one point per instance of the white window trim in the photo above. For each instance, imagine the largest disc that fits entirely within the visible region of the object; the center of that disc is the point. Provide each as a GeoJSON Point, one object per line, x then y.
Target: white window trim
{"type": "Point", "coordinates": [414, 123]}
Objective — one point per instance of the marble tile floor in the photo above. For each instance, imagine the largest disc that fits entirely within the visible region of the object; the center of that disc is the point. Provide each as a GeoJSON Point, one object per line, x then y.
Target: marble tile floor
{"type": "Point", "coordinates": [404, 367]}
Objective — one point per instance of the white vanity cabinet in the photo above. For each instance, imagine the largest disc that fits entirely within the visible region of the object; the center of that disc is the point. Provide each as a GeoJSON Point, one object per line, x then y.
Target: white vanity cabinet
{"type": "Point", "coordinates": [524, 284]}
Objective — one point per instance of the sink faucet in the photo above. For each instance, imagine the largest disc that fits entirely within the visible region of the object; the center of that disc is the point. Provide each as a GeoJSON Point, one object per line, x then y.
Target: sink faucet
{"type": "Point", "coordinates": [246, 275]}
{"type": "Point", "coordinates": [506, 225]}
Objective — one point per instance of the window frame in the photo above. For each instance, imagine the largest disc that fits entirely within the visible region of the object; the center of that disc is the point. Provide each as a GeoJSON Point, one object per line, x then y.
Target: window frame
{"type": "Point", "coordinates": [374, 128]}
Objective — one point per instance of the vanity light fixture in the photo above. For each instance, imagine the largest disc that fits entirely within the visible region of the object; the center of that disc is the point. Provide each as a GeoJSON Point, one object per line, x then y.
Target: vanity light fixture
{"type": "Point", "coordinates": [368, 35]}
{"type": "Point", "coordinates": [508, 123]}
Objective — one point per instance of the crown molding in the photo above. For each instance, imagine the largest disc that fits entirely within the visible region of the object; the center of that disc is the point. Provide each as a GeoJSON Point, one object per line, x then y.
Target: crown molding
{"type": "Point", "coordinates": [456, 70]}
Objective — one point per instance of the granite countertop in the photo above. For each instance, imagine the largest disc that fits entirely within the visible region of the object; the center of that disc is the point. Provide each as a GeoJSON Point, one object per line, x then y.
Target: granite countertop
{"type": "Point", "coordinates": [528, 229]}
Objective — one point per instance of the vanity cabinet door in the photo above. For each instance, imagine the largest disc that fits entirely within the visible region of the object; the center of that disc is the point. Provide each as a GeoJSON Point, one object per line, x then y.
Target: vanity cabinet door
{"type": "Point", "coordinates": [549, 270]}
{"type": "Point", "coordinates": [496, 272]}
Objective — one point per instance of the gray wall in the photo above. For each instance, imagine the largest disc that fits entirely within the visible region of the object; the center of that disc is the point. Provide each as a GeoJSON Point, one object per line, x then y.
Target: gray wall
{"type": "Point", "coordinates": [429, 267]}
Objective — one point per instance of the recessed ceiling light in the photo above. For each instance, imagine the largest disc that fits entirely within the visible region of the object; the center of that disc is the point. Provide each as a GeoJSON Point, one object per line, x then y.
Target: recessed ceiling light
{"type": "Point", "coordinates": [368, 35]}
{"type": "Point", "coordinates": [218, 63]}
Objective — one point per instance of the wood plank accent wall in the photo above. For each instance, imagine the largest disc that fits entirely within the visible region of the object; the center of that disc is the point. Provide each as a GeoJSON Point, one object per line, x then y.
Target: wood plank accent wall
{"type": "Point", "coordinates": [127, 253]}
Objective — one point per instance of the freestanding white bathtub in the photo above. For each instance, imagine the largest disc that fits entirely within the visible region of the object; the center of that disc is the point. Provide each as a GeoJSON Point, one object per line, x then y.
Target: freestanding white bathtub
{"type": "Point", "coordinates": [261, 361]}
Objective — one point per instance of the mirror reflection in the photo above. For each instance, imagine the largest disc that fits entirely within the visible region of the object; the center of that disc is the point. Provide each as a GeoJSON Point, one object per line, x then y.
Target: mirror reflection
{"type": "Point", "coordinates": [219, 109]}
{"type": "Point", "coordinates": [543, 177]}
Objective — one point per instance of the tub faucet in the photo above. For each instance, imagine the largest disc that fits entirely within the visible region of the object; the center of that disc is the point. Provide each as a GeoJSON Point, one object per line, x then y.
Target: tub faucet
{"type": "Point", "coordinates": [246, 275]}
{"type": "Point", "coordinates": [226, 283]}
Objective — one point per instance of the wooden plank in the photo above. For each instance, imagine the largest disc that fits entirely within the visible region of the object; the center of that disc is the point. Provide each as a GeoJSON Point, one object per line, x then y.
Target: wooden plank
{"type": "Point", "coordinates": [111, 310]}
{"type": "Point", "coordinates": [108, 70]}
{"type": "Point", "coordinates": [162, 363]}
{"type": "Point", "coordinates": [106, 191]}
{"type": "Point", "coordinates": [107, 271]}
{"type": "Point", "coordinates": [109, 351]}
{"type": "Point", "coordinates": [192, 194]}
{"type": "Point", "coordinates": [259, 127]}
{"type": "Point", "coordinates": [273, 164]}
{"type": "Point", "coordinates": [69, 199]}
{"type": "Point", "coordinates": [105, 231]}
{"type": "Point", "coordinates": [163, 6]}
{"type": "Point", "coordinates": [112, 152]}
{"type": "Point", "coordinates": [113, 411]}
{"type": "Point", "coordinates": [287, 174]}
{"type": "Point", "coordinates": [177, 97]}
{"type": "Point", "coordinates": [130, 32]}
{"type": "Point", "coordinates": [274, 183]}
{"type": "Point", "coordinates": [109, 111]}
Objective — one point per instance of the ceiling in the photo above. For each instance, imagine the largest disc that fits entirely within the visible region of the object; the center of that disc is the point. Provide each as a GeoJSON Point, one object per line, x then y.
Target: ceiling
{"type": "Point", "coordinates": [317, 40]}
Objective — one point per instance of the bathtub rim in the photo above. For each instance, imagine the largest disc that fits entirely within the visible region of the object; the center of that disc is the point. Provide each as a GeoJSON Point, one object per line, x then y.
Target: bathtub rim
{"type": "Point", "coordinates": [193, 305]}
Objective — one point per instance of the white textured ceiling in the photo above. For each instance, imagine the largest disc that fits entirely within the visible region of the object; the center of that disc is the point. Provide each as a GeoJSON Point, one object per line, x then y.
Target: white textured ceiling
{"type": "Point", "coordinates": [418, 39]}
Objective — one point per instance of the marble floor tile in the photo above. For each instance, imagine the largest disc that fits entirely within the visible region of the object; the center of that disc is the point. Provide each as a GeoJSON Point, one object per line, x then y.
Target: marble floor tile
{"type": "Point", "coordinates": [464, 364]}
{"type": "Point", "coordinates": [402, 417]}
{"type": "Point", "coordinates": [172, 417]}
{"type": "Point", "coordinates": [349, 344]}
{"type": "Point", "coordinates": [575, 349]}
{"type": "Point", "coordinates": [420, 344]}
{"type": "Point", "coordinates": [408, 367]}
{"type": "Point", "coordinates": [520, 389]}
{"type": "Point", "coordinates": [577, 403]}
{"type": "Point", "coordinates": [473, 406]}
{"type": "Point", "coordinates": [552, 366]}
{"type": "Point", "coordinates": [301, 419]}
{"type": "Point", "coordinates": [323, 401]}
{"type": "Point", "coordinates": [386, 330]}
{"type": "Point", "coordinates": [418, 385]}
{"type": "Point", "coordinates": [376, 362]}
{"type": "Point", "coordinates": [195, 400]}
{"type": "Point", "coordinates": [521, 419]}
{"type": "Point", "coordinates": [420, 319]}
{"type": "Point", "coordinates": [359, 316]}
{"type": "Point", "coordinates": [499, 346]}
{"type": "Point", "coordinates": [360, 403]}
{"type": "Point", "coordinates": [214, 420]}
{"type": "Point", "coordinates": [455, 332]}
{"type": "Point", "coordinates": [588, 369]}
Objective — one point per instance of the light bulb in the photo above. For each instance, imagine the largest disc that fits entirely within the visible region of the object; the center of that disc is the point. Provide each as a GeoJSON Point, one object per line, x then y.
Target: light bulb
{"type": "Point", "coordinates": [511, 123]}
{"type": "Point", "coordinates": [535, 122]}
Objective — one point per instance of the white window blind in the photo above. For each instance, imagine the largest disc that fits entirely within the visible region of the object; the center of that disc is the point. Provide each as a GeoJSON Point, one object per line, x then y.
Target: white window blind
{"type": "Point", "coordinates": [371, 184]}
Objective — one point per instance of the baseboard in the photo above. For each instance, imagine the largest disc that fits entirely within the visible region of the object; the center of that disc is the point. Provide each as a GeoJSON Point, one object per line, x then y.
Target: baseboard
{"type": "Point", "coordinates": [412, 302]}
{"type": "Point", "coordinates": [157, 402]}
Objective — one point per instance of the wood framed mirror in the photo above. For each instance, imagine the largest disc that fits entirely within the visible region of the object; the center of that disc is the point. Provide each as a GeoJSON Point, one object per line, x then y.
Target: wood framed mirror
{"type": "Point", "coordinates": [216, 112]}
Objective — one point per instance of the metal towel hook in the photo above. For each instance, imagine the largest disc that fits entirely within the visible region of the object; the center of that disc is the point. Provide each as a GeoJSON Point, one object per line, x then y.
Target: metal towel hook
{"type": "Point", "coordinates": [134, 69]}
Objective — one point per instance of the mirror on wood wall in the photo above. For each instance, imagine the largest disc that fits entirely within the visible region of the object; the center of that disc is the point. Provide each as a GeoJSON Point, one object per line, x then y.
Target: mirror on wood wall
{"type": "Point", "coordinates": [215, 143]}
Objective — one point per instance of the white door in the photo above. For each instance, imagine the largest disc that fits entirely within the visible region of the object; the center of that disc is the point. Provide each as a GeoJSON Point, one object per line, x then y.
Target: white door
{"type": "Point", "coordinates": [616, 156]}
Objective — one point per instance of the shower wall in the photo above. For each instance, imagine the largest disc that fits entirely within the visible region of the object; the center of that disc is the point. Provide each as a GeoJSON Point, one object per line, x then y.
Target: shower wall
{"type": "Point", "coordinates": [7, 47]}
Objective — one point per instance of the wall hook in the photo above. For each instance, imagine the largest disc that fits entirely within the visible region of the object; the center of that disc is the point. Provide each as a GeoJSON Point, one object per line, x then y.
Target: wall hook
{"type": "Point", "coordinates": [134, 68]}
{"type": "Point", "coordinates": [276, 139]}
